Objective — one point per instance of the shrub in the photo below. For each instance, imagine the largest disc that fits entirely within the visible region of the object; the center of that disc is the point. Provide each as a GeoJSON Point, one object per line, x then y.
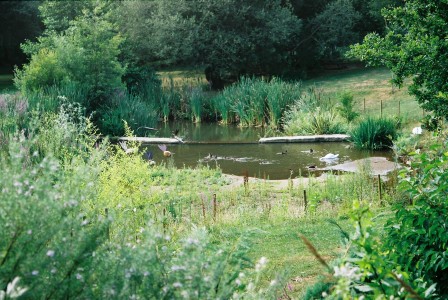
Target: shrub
{"type": "Point", "coordinates": [408, 258]}
{"type": "Point", "coordinates": [346, 108]}
{"type": "Point", "coordinates": [374, 134]}
{"type": "Point", "coordinates": [418, 234]}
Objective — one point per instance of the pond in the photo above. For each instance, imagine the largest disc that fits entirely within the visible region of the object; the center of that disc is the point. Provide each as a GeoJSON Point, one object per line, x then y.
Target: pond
{"type": "Point", "coordinates": [237, 151]}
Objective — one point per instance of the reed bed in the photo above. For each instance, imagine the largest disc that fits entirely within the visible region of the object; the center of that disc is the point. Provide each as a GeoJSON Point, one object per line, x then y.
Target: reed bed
{"type": "Point", "coordinates": [256, 102]}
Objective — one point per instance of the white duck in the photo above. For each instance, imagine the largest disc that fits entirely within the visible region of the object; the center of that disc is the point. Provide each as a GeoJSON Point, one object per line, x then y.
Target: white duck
{"type": "Point", "coordinates": [329, 157]}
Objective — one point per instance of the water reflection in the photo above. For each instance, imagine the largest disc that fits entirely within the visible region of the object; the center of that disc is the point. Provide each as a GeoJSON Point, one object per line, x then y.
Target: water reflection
{"type": "Point", "coordinates": [236, 151]}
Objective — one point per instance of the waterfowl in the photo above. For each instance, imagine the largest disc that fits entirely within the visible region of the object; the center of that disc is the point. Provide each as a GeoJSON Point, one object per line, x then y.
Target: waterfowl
{"type": "Point", "coordinates": [166, 153]}
{"type": "Point", "coordinates": [311, 167]}
{"type": "Point", "coordinates": [125, 148]}
{"type": "Point", "coordinates": [329, 156]}
{"type": "Point", "coordinates": [283, 152]}
{"type": "Point", "coordinates": [148, 157]}
{"type": "Point", "coordinates": [175, 135]}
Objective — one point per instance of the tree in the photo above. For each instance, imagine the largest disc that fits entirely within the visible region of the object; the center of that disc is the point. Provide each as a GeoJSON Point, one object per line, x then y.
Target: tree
{"type": "Point", "coordinates": [334, 29]}
{"type": "Point", "coordinates": [231, 37]}
{"type": "Point", "coordinates": [86, 53]}
{"type": "Point", "coordinates": [415, 46]}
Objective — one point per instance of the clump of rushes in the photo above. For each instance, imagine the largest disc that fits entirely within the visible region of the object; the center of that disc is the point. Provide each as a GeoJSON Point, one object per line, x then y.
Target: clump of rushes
{"type": "Point", "coordinates": [196, 104]}
{"type": "Point", "coordinates": [374, 133]}
{"type": "Point", "coordinates": [255, 102]}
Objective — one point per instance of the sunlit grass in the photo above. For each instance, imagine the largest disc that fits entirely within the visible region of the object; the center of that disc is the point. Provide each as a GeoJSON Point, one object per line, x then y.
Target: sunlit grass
{"type": "Point", "coordinates": [373, 87]}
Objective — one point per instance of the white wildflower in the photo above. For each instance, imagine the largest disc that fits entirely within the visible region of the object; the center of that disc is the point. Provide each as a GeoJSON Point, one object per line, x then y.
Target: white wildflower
{"type": "Point", "coordinates": [347, 271]}
{"type": "Point", "coordinates": [185, 294]}
{"type": "Point", "coordinates": [50, 253]}
{"type": "Point", "coordinates": [35, 272]}
{"type": "Point", "coordinates": [13, 290]}
{"type": "Point", "coordinates": [261, 264]}
{"type": "Point", "coordinates": [177, 284]}
{"type": "Point", "coordinates": [177, 268]}
{"type": "Point", "coordinates": [191, 241]}
{"type": "Point", "coordinates": [78, 276]}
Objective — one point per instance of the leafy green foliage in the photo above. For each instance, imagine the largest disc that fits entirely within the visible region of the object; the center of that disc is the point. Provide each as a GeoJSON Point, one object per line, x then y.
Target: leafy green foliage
{"type": "Point", "coordinates": [335, 29]}
{"type": "Point", "coordinates": [346, 109]}
{"type": "Point", "coordinates": [374, 134]}
{"type": "Point", "coordinates": [58, 240]}
{"type": "Point", "coordinates": [414, 46]}
{"type": "Point", "coordinates": [369, 269]}
{"type": "Point", "coordinates": [418, 233]}
{"type": "Point", "coordinates": [85, 53]}
{"type": "Point", "coordinates": [259, 40]}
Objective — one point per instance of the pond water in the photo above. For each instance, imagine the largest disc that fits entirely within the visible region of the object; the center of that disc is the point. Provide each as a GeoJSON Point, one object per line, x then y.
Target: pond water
{"type": "Point", "coordinates": [236, 150]}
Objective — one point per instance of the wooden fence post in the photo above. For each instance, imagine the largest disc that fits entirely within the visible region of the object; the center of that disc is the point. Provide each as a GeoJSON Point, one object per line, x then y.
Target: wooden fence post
{"type": "Point", "coordinates": [305, 200]}
{"type": "Point", "coordinates": [379, 186]}
{"type": "Point", "coordinates": [214, 207]}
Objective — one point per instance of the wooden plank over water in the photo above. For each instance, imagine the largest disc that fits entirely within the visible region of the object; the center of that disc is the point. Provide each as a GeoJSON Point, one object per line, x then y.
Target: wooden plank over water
{"type": "Point", "coordinates": [151, 140]}
{"type": "Point", "coordinates": [306, 138]}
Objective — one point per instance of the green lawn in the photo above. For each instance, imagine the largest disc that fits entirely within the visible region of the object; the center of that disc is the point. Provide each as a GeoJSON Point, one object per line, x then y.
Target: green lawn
{"type": "Point", "coordinates": [371, 89]}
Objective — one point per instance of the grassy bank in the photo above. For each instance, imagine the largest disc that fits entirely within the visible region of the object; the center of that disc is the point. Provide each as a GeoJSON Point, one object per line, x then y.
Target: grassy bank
{"type": "Point", "coordinates": [371, 88]}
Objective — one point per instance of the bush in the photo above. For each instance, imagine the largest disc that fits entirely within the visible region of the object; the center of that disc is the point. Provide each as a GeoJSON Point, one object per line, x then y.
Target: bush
{"type": "Point", "coordinates": [346, 108]}
{"type": "Point", "coordinates": [374, 134]}
{"type": "Point", "coordinates": [408, 258]}
{"type": "Point", "coordinates": [418, 232]}
{"type": "Point", "coordinates": [318, 121]}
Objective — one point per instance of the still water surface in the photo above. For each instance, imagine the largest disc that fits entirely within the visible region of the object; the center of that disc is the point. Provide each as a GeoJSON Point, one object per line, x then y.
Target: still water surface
{"type": "Point", "coordinates": [236, 150]}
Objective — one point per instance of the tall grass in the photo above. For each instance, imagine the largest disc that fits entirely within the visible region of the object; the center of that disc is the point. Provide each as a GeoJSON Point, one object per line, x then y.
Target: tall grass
{"type": "Point", "coordinates": [196, 104]}
{"type": "Point", "coordinates": [222, 109]}
{"type": "Point", "coordinates": [374, 133]}
{"type": "Point", "coordinates": [317, 121]}
{"type": "Point", "coordinates": [280, 95]}
{"type": "Point", "coordinates": [130, 108]}
{"type": "Point", "coordinates": [255, 102]}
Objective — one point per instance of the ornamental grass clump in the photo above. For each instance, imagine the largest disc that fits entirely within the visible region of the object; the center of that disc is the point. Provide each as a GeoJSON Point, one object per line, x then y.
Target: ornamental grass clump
{"type": "Point", "coordinates": [318, 121]}
{"type": "Point", "coordinates": [374, 134]}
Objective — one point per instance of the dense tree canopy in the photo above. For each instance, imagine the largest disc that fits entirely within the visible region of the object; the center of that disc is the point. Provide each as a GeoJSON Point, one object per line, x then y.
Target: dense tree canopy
{"type": "Point", "coordinates": [415, 46]}
{"type": "Point", "coordinates": [229, 38]}
{"type": "Point", "coordinates": [84, 52]}
{"type": "Point", "coordinates": [232, 37]}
